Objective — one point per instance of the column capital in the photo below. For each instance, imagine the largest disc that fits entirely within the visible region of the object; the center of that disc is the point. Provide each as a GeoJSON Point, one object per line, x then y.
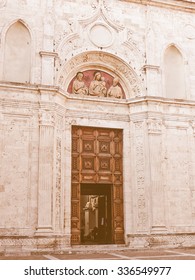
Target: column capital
{"type": "Point", "coordinates": [46, 118]}
{"type": "Point", "coordinates": [150, 67]}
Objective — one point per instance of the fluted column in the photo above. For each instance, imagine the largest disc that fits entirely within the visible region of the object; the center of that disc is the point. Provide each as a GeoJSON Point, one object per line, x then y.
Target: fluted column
{"type": "Point", "coordinates": [156, 185]}
{"type": "Point", "coordinates": [45, 187]}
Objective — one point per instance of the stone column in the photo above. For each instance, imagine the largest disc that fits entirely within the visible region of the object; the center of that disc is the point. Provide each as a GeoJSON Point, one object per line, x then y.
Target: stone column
{"type": "Point", "coordinates": [45, 186]}
{"type": "Point", "coordinates": [156, 185]}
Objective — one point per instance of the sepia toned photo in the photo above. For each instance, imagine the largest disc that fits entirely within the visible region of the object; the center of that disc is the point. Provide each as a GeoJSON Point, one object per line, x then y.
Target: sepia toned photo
{"type": "Point", "coordinates": [97, 130]}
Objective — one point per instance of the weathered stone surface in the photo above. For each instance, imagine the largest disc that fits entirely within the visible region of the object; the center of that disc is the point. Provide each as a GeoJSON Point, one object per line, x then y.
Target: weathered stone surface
{"type": "Point", "coordinates": [126, 40]}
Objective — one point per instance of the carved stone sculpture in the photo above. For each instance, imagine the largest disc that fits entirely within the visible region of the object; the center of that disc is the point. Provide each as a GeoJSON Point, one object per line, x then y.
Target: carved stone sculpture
{"type": "Point", "coordinates": [79, 86]}
{"type": "Point", "coordinates": [115, 90]}
{"type": "Point", "coordinates": [98, 85]}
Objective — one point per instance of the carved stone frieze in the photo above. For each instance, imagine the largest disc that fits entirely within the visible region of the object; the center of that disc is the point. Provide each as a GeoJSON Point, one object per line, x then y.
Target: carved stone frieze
{"type": "Point", "coordinates": [164, 240]}
{"type": "Point", "coordinates": [96, 83]}
{"type": "Point", "coordinates": [103, 12]}
{"type": "Point", "coordinates": [129, 80]}
{"type": "Point", "coordinates": [142, 213]}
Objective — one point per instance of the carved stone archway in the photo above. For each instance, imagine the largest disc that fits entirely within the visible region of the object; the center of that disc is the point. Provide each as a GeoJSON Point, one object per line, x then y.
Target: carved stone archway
{"type": "Point", "coordinates": [101, 61]}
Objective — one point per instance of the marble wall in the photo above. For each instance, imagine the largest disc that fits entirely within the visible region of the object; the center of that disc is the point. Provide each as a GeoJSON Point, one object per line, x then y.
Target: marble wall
{"type": "Point", "coordinates": [119, 38]}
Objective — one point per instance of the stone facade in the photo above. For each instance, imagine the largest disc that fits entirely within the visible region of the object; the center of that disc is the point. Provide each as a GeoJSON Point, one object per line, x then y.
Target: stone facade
{"type": "Point", "coordinates": [148, 46]}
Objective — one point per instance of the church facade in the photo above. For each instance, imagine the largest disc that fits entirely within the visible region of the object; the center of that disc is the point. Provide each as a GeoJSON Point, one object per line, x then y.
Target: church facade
{"type": "Point", "coordinates": [97, 120]}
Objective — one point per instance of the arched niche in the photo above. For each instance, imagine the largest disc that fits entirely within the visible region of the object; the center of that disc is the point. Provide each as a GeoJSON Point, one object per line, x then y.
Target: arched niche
{"type": "Point", "coordinates": [17, 55]}
{"type": "Point", "coordinates": [108, 65]}
{"type": "Point", "coordinates": [174, 73]}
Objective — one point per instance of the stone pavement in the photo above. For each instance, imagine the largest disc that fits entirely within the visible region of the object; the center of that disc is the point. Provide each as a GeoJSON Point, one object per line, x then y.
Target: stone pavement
{"type": "Point", "coordinates": [124, 254]}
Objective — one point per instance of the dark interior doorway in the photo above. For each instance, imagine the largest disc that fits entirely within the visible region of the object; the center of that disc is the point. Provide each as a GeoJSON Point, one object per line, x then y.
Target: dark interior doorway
{"type": "Point", "coordinates": [96, 213]}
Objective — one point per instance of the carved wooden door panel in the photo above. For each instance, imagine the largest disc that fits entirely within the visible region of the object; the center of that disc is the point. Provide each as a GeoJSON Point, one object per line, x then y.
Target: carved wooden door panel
{"type": "Point", "coordinates": [97, 159]}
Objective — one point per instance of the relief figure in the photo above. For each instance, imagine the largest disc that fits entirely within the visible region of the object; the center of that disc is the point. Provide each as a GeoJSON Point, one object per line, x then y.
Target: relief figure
{"type": "Point", "coordinates": [115, 90]}
{"type": "Point", "coordinates": [98, 85]}
{"type": "Point", "coordinates": [79, 86]}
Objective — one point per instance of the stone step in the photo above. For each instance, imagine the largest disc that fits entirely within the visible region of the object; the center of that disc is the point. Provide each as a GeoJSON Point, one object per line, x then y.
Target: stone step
{"type": "Point", "coordinates": [97, 248]}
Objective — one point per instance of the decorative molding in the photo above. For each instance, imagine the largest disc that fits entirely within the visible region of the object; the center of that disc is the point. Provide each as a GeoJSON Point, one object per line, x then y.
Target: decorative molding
{"type": "Point", "coordinates": [147, 67]}
{"type": "Point", "coordinates": [142, 212]}
{"type": "Point", "coordinates": [106, 39]}
{"type": "Point", "coordinates": [182, 5]}
{"type": "Point", "coordinates": [110, 63]}
{"type": "Point", "coordinates": [101, 14]}
{"type": "Point", "coordinates": [161, 240]}
{"type": "Point", "coordinates": [46, 53]}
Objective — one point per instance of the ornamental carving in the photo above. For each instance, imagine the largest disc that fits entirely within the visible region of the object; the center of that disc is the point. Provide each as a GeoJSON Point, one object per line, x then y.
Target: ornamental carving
{"type": "Point", "coordinates": [110, 76]}
{"type": "Point", "coordinates": [96, 83]}
{"type": "Point", "coordinates": [142, 217]}
{"type": "Point", "coordinates": [104, 147]}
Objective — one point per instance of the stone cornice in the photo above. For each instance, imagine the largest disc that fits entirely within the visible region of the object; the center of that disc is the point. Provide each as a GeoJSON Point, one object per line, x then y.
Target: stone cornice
{"type": "Point", "coordinates": [48, 54]}
{"type": "Point", "coordinates": [27, 87]}
{"type": "Point", "coordinates": [55, 90]}
{"type": "Point", "coordinates": [182, 5]}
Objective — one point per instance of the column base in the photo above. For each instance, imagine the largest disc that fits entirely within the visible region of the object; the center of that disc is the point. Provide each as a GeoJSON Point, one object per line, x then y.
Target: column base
{"type": "Point", "coordinates": [158, 229]}
{"type": "Point", "coordinates": [44, 231]}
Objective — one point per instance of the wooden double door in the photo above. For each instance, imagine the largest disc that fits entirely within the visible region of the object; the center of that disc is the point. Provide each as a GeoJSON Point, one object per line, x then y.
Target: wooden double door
{"type": "Point", "coordinates": [97, 170]}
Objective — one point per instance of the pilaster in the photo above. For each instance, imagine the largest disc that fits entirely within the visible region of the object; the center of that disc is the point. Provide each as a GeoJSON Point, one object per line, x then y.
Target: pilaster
{"type": "Point", "coordinates": [45, 186]}
{"type": "Point", "coordinates": [156, 185]}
